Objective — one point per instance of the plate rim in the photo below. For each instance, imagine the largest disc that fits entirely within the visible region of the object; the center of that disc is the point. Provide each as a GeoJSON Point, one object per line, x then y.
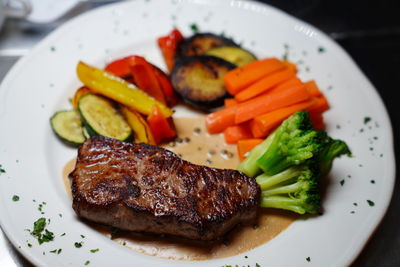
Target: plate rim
{"type": "Point", "coordinates": [33, 257]}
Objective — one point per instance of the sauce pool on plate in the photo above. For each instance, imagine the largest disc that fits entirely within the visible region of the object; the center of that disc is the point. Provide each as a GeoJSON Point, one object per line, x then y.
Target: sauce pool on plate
{"type": "Point", "coordinates": [196, 145]}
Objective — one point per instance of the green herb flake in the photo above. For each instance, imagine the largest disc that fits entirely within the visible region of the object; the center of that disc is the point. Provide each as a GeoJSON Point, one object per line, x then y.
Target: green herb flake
{"type": "Point", "coordinates": [82, 236]}
{"type": "Point", "coordinates": [78, 244]}
{"type": "Point", "coordinates": [94, 250]}
{"type": "Point", "coordinates": [2, 170]}
{"type": "Point", "coordinates": [194, 27]}
{"type": "Point", "coordinates": [342, 182]}
{"type": "Point", "coordinates": [62, 234]}
{"type": "Point", "coordinates": [15, 198]}
{"type": "Point", "coordinates": [321, 49]}
{"type": "Point", "coordinates": [308, 259]}
{"type": "Point", "coordinates": [258, 265]}
{"type": "Point", "coordinates": [372, 181]}
{"type": "Point", "coordinates": [39, 226]}
{"type": "Point", "coordinates": [370, 203]}
{"type": "Point", "coordinates": [367, 119]}
{"type": "Point", "coordinates": [29, 245]}
{"type": "Point", "coordinates": [87, 262]}
{"type": "Point", "coordinates": [46, 237]}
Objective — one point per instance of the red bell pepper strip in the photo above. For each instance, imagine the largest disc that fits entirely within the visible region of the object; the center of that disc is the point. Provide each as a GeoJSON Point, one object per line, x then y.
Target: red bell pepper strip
{"type": "Point", "coordinates": [119, 67]}
{"type": "Point", "coordinates": [160, 126]}
{"type": "Point", "coordinates": [167, 88]}
{"type": "Point", "coordinates": [168, 45]}
{"type": "Point", "coordinates": [145, 77]}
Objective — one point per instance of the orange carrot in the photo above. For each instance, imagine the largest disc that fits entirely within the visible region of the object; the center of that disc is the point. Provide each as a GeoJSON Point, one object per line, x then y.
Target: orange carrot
{"type": "Point", "coordinates": [239, 78]}
{"type": "Point", "coordinates": [262, 125]}
{"type": "Point", "coordinates": [238, 132]}
{"type": "Point", "coordinates": [321, 105]}
{"type": "Point", "coordinates": [290, 65]}
{"type": "Point", "coordinates": [246, 145]}
{"type": "Point", "coordinates": [268, 102]}
{"type": "Point", "coordinates": [292, 82]}
{"type": "Point", "coordinates": [313, 88]}
{"type": "Point", "coordinates": [229, 102]}
{"type": "Point", "coordinates": [218, 121]}
{"type": "Point", "coordinates": [265, 84]}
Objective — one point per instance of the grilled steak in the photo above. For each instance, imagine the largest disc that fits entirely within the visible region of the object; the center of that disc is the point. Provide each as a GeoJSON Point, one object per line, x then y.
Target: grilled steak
{"type": "Point", "coordinates": [138, 187]}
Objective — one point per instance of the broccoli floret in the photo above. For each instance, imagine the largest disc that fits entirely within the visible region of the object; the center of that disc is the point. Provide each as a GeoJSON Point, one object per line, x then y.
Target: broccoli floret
{"type": "Point", "coordinates": [292, 161]}
{"type": "Point", "coordinates": [294, 189]}
{"type": "Point", "coordinates": [332, 149]}
{"type": "Point", "coordinates": [293, 127]}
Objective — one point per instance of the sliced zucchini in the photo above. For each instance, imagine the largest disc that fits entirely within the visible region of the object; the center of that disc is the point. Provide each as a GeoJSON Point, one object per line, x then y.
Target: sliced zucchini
{"type": "Point", "coordinates": [67, 125]}
{"type": "Point", "coordinates": [100, 117]}
{"type": "Point", "coordinates": [200, 43]}
{"type": "Point", "coordinates": [199, 80]}
{"type": "Point", "coordinates": [233, 54]}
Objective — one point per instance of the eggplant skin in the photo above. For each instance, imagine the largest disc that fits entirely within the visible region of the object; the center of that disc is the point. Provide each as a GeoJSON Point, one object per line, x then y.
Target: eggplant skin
{"type": "Point", "coordinates": [200, 43]}
{"type": "Point", "coordinates": [199, 80]}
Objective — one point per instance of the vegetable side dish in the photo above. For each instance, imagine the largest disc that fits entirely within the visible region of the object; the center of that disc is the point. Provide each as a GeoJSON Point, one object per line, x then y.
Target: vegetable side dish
{"type": "Point", "coordinates": [260, 105]}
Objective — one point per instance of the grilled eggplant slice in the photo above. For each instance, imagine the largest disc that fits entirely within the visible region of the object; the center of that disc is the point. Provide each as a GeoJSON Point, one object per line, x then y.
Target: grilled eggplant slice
{"type": "Point", "coordinates": [199, 80]}
{"type": "Point", "coordinates": [200, 43]}
{"type": "Point", "coordinates": [234, 54]}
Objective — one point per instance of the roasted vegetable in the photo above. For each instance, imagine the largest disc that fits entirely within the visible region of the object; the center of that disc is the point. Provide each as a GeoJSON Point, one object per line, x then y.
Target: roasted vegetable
{"type": "Point", "coordinates": [168, 45]}
{"type": "Point", "coordinates": [100, 117]}
{"type": "Point", "coordinates": [78, 94]}
{"type": "Point", "coordinates": [199, 80]}
{"type": "Point", "coordinates": [117, 89]}
{"type": "Point", "coordinates": [233, 54]}
{"type": "Point", "coordinates": [141, 130]}
{"type": "Point", "coordinates": [200, 43]}
{"type": "Point", "coordinates": [161, 127]}
{"type": "Point", "coordinates": [67, 125]}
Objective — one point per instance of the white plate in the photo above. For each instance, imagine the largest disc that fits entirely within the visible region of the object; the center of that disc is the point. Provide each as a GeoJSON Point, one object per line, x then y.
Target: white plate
{"type": "Point", "coordinates": [42, 82]}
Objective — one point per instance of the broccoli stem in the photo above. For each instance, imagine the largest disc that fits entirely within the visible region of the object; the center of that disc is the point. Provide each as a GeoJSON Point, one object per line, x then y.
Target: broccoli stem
{"type": "Point", "coordinates": [287, 189]}
{"type": "Point", "coordinates": [267, 181]}
{"type": "Point", "coordinates": [249, 165]}
{"type": "Point", "coordinates": [283, 202]}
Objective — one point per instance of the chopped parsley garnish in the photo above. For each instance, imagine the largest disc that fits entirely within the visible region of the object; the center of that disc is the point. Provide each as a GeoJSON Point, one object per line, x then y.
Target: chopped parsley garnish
{"type": "Point", "coordinates": [56, 251]}
{"type": "Point", "coordinates": [321, 49]}
{"type": "Point", "coordinates": [87, 262]}
{"type": "Point", "coordinates": [2, 170]}
{"type": "Point", "coordinates": [82, 236]}
{"type": "Point", "coordinates": [78, 244]}
{"type": "Point", "coordinates": [194, 27]}
{"type": "Point", "coordinates": [38, 228]}
{"type": "Point", "coordinates": [29, 245]}
{"type": "Point", "coordinates": [308, 259]}
{"type": "Point", "coordinates": [342, 182]}
{"type": "Point", "coordinates": [372, 181]}
{"type": "Point", "coordinates": [258, 265]}
{"type": "Point", "coordinates": [370, 202]}
{"type": "Point", "coordinates": [94, 250]}
{"type": "Point", "coordinates": [15, 198]}
{"type": "Point", "coordinates": [62, 234]}
{"type": "Point", "coordinates": [366, 120]}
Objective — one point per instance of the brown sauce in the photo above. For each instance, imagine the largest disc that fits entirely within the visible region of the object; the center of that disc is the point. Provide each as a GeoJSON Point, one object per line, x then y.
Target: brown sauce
{"type": "Point", "coordinates": [196, 145]}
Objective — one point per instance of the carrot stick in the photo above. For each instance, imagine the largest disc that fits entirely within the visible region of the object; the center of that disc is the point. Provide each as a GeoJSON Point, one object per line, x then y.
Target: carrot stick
{"type": "Point", "coordinates": [235, 133]}
{"type": "Point", "coordinates": [321, 105]}
{"type": "Point", "coordinates": [292, 82]}
{"type": "Point", "coordinates": [268, 102]}
{"type": "Point", "coordinates": [246, 145]}
{"type": "Point", "coordinates": [262, 125]}
{"type": "Point", "coordinates": [290, 65]}
{"type": "Point", "coordinates": [264, 84]}
{"type": "Point", "coordinates": [313, 88]}
{"type": "Point", "coordinates": [218, 121]}
{"type": "Point", "coordinates": [229, 102]}
{"type": "Point", "coordinates": [239, 78]}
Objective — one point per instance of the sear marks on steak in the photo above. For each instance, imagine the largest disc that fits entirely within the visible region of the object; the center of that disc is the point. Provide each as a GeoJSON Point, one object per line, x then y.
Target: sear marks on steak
{"type": "Point", "coordinates": [138, 187]}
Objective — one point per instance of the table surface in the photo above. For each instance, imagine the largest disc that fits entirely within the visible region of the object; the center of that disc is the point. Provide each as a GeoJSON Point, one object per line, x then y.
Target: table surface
{"type": "Point", "coordinates": [370, 33]}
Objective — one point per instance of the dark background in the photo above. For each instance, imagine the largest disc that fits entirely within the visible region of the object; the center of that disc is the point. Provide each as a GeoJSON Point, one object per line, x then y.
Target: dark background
{"type": "Point", "coordinates": [370, 32]}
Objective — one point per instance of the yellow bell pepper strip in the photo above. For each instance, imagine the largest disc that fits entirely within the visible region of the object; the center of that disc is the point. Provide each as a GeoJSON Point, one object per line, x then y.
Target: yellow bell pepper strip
{"type": "Point", "coordinates": [78, 94]}
{"type": "Point", "coordinates": [117, 89]}
{"type": "Point", "coordinates": [141, 129]}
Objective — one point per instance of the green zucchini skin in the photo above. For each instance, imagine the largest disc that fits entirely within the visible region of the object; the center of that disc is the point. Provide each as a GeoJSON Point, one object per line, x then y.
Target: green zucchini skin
{"type": "Point", "coordinates": [200, 43]}
{"type": "Point", "coordinates": [234, 54]}
{"type": "Point", "coordinates": [199, 80]}
{"type": "Point", "coordinates": [68, 127]}
{"type": "Point", "coordinates": [101, 118]}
